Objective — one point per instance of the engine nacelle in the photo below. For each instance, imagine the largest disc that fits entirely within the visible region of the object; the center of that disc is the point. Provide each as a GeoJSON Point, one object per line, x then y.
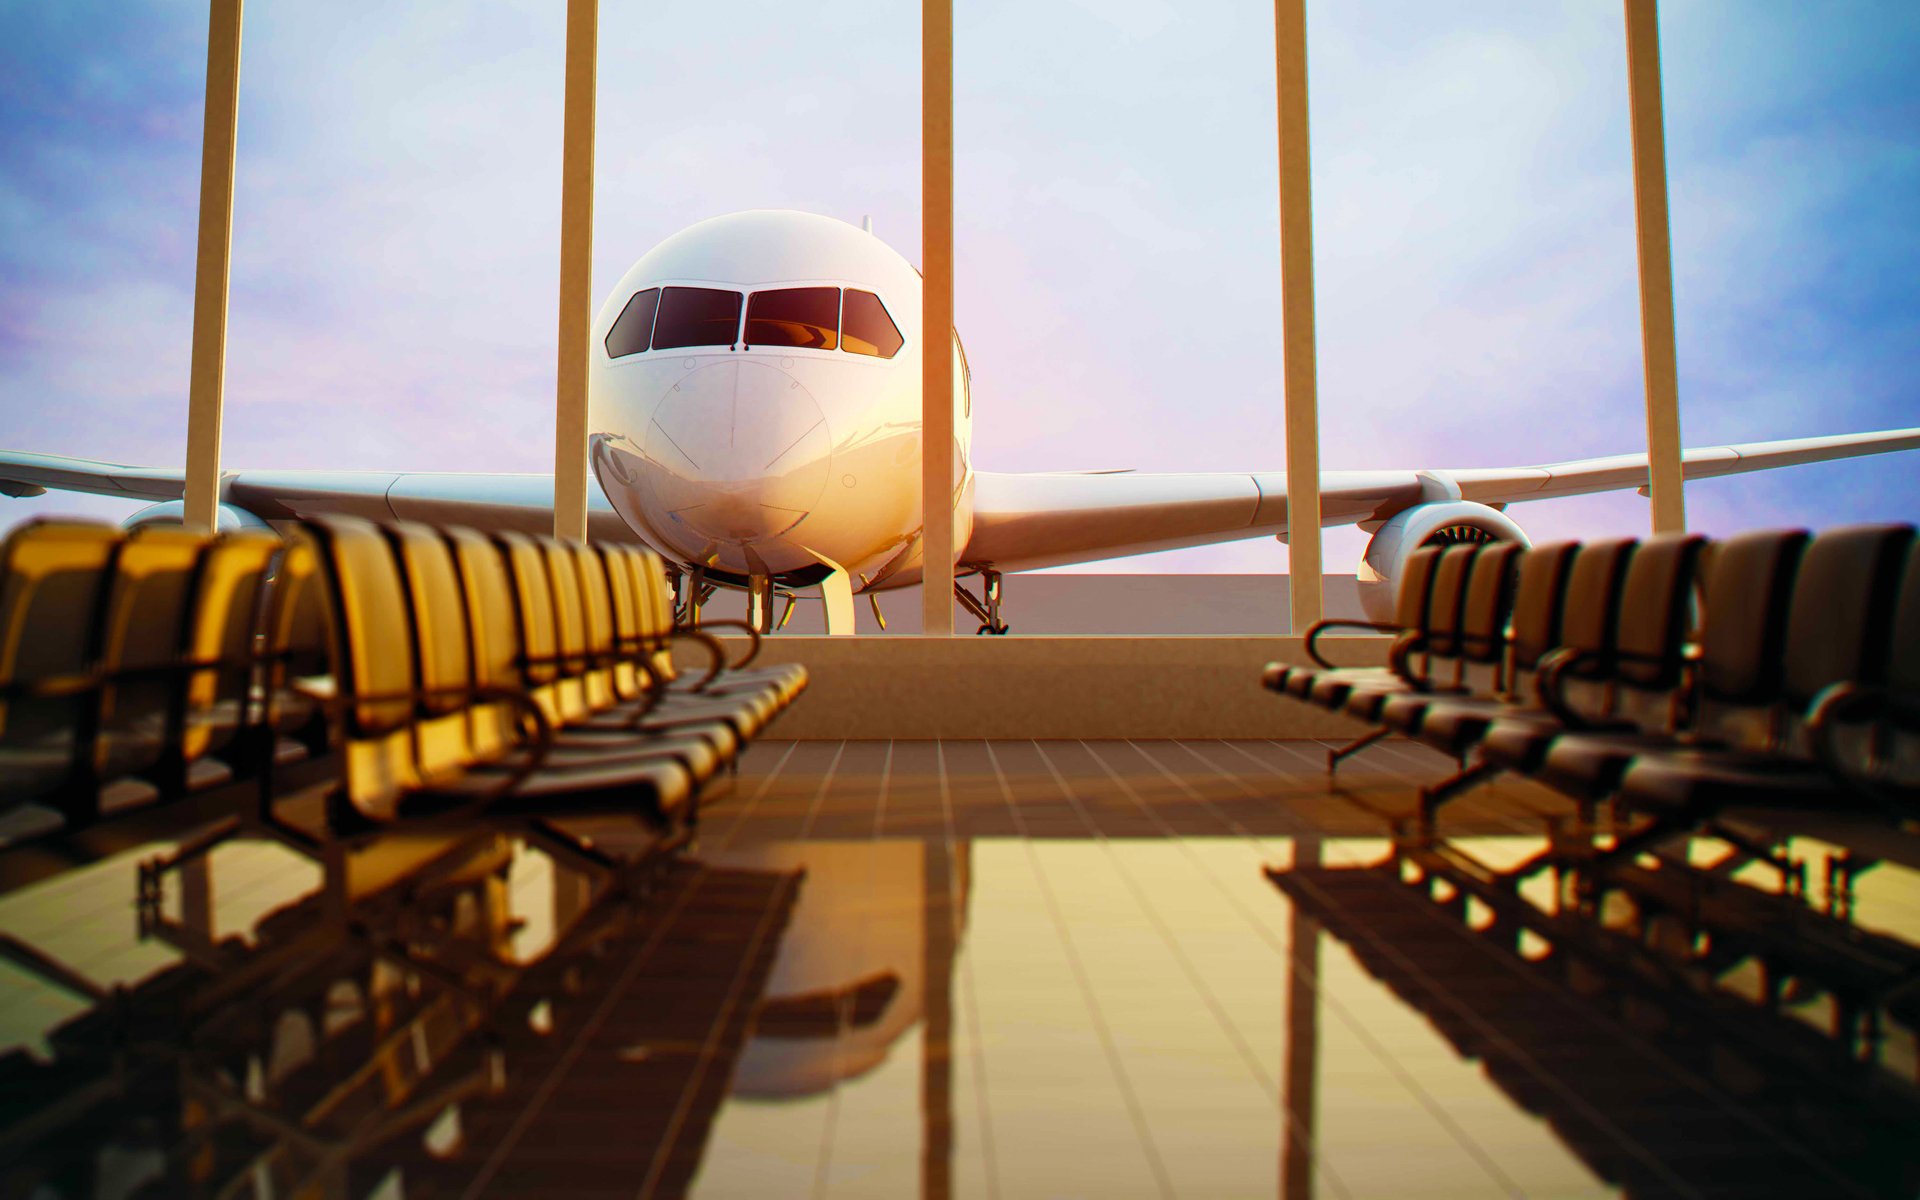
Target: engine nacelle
{"type": "Point", "coordinates": [172, 512]}
{"type": "Point", "coordinates": [1440, 523]}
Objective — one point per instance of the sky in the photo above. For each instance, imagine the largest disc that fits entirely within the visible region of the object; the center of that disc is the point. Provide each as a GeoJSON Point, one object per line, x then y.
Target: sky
{"type": "Point", "coordinates": [397, 199]}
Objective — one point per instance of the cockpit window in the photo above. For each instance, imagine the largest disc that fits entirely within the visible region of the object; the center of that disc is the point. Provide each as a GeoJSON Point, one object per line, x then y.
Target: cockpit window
{"type": "Point", "coordinates": [866, 328]}
{"type": "Point", "coordinates": [691, 316]}
{"type": "Point", "coordinates": [808, 317]}
{"type": "Point", "coordinates": [630, 332]}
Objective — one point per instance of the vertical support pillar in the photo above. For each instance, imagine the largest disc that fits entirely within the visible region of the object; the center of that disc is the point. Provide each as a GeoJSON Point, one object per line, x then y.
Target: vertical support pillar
{"type": "Point", "coordinates": [1656, 267]}
{"type": "Point", "coordinates": [936, 315]}
{"type": "Point", "coordinates": [576, 274]}
{"type": "Point", "coordinates": [1296, 301]}
{"type": "Point", "coordinates": [206, 385]}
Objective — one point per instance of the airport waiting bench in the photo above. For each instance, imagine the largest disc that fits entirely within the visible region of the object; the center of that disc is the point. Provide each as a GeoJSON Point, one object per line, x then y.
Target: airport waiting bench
{"type": "Point", "coordinates": [1676, 677]}
{"type": "Point", "coordinates": [437, 672]}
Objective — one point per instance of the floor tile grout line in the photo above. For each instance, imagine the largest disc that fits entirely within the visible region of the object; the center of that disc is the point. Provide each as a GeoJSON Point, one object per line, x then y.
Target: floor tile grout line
{"type": "Point", "coordinates": [880, 802]}
{"type": "Point", "coordinates": [1299, 1138]}
{"type": "Point", "coordinates": [820, 793]}
{"type": "Point", "coordinates": [753, 802]}
{"type": "Point", "coordinates": [1097, 1019]}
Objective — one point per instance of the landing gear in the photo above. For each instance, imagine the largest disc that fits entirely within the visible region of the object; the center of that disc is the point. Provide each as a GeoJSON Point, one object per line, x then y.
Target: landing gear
{"type": "Point", "coordinates": [760, 603]}
{"type": "Point", "coordinates": [698, 591]}
{"type": "Point", "coordinates": [987, 608]}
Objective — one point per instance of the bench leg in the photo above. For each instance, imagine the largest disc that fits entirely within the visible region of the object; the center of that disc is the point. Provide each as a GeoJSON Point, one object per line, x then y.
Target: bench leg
{"type": "Point", "coordinates": [1431, 798]}
{"type": "Point", "coordinates": [1334, 757]}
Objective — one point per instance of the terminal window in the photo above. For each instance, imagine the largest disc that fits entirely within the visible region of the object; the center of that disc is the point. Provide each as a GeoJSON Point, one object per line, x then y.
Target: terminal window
{"type": "Point", "coordinates": [866, 328]}
{"type": "Point", "coordinates": [691, 316]}
{"type": "Point", "coordinates": [634, 326]}
{"type": "Point", "coordinates": [806, 317]}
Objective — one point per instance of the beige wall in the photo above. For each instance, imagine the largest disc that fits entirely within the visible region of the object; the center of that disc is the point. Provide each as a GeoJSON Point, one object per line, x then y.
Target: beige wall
{"type": "Point", "coordinates": [1053, 687]}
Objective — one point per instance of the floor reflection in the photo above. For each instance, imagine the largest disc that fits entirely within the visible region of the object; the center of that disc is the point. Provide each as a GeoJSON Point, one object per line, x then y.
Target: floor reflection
{"type": "Point", "coordinates": [523, 1011]}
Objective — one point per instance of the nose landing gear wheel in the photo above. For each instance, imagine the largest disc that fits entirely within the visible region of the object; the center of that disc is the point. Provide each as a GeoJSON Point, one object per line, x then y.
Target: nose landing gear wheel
{"type": "Point", "coordinates": [996, 630]}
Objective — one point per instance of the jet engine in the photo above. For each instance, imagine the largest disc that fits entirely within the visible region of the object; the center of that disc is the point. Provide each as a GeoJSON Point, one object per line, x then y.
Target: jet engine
{"type": "Point", "coordinates": [1440, 523]}
{"type": "Point", "coordinates": [169, 512]}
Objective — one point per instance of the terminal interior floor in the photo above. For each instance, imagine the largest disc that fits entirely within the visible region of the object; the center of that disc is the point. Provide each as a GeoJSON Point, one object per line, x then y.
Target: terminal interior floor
{"type": "Point", "coordinates": [999, 969]}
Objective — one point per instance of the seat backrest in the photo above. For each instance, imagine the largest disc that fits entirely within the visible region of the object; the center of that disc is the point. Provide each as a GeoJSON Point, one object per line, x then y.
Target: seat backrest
{"type": "Point", "coordinates": [53, 585]}
{"type": "Point", "coordinates": [624, 611]}
{"type": "Point", "coordinates": [1416, 589]}
{"type": "Point", "coordinates": [1747, 585]}
{"type": "Point", "coordinates": [1903, 663]}
{"type": "Point", "coordinates": [1446, 606]}
{"type": "Point", "coordinates": [1589, 621]}
{"type": "Point", "coordinates": [493, 631]}
{"type": "Point", "coordinates": [145, 631]}
{"type": "Point", "coordinates": [570, 629]}
{"type": "Point", "coordinates": [373, 660]}
{"type": "Point", "coordinates": [1902, 753]}
{"type": "Point", "coordinates": [1840, 618]}
{"type": "Point", "coordinates": [1650, 636]}
{"type": "Point", "coordinates": [299, 643]}
{"type": "Point", "coordinates": [596, 608]}
{"type": "Point", "coordinates": [1484, 616]}
{"type": "Point", "coordinates": [533, 606]}
{"type": "Point", "coordinates": [1539, 592]}
{"type": "Point", "coordinates": [1589, 615]}
{"type": "Point", "coordinates": [226, 616]}
{"type": "Point", "coordinates": [442, 648]}
{"type": "Point", "coordinates": [656, 607]}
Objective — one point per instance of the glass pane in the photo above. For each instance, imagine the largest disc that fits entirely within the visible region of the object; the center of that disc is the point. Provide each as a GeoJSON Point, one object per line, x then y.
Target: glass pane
{"type": "Point", "coordinates": [867, 327]}
{"type": "Point", "coordinates": [807, 317]}
{"type": "Point", "coordinates": [629, 333]}
{"type": "Point", "coordinates": [691, 316]}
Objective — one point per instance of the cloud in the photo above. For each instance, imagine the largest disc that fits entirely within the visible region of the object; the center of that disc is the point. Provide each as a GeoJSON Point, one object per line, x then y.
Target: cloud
{"type": "Point", "coordinates": [396, 225]}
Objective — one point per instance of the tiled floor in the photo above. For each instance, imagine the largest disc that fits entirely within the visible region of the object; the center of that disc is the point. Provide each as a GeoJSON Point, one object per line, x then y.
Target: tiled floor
{"type": "Point", "coordinates": [962, 969]}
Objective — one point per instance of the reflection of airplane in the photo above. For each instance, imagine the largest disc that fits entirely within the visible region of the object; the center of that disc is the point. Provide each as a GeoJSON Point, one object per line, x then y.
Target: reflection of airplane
{"type": "Point", "coordinates": [853, 969]}
{"type": "Point", "coordinates": [754, 415]}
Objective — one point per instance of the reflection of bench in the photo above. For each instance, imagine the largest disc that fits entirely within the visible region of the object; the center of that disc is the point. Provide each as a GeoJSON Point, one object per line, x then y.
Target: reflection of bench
{"type": "Point", "coordinates": [1663, 1086]}
{"type": "Point", "coordinates": [443, 671]}
{"type": "Point", "coordinates": [324, 1054]}
{"type": "Point", "coordinates": [1582, 666]}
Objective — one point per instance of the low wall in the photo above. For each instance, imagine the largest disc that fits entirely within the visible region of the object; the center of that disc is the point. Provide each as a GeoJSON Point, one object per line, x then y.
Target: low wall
{"type": "Point", "coordinates": [1054, 687]}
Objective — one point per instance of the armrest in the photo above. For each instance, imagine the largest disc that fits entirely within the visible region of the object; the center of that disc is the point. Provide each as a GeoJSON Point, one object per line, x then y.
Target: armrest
{"type": "Point", "coordinates": [1846, 703]}
{"type": "Point", "coordinates": [753, 636]}
{"type": "Point", "coordinates": [1320, 627]}
{"type": "Point", "coordinates": [1550, 676]}
{"type": "Point", "coordinates": [1548, 686]}
{"type": "Point", "coordinates": [716, 652]}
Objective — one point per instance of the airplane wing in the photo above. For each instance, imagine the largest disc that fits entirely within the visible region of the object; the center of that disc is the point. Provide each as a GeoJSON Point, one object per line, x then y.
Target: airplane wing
{"type": "Point", "coordinates": [1027, 521]}
{"type": "Point", "coordinates": [523, 502]}
{"type": "Point", "coordinates": [1021, 522]}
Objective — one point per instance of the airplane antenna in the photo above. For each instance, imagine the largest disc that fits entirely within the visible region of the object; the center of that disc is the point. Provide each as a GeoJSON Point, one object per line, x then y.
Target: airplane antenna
{"type": "Point", "coordinates": [866, 224]}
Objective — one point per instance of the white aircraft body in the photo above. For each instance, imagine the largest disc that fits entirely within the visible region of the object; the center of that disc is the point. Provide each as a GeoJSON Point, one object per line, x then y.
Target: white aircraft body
{"type": "Point", "coordinates": [754, 412]}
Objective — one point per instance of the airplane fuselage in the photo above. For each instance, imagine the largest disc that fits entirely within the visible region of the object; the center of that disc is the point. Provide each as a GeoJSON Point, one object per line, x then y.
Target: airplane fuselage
{"type": "Point", "coordinates": [754, 402]}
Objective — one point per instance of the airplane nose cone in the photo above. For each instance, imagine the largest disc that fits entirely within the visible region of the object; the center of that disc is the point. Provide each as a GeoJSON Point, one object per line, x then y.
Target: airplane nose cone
{"type": "Point", "coordinates": [740, 450]}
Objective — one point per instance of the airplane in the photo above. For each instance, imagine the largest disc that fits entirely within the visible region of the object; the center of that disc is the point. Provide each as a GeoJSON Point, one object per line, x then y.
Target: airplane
{"type": "Point", "coordinates": [754, 416]}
